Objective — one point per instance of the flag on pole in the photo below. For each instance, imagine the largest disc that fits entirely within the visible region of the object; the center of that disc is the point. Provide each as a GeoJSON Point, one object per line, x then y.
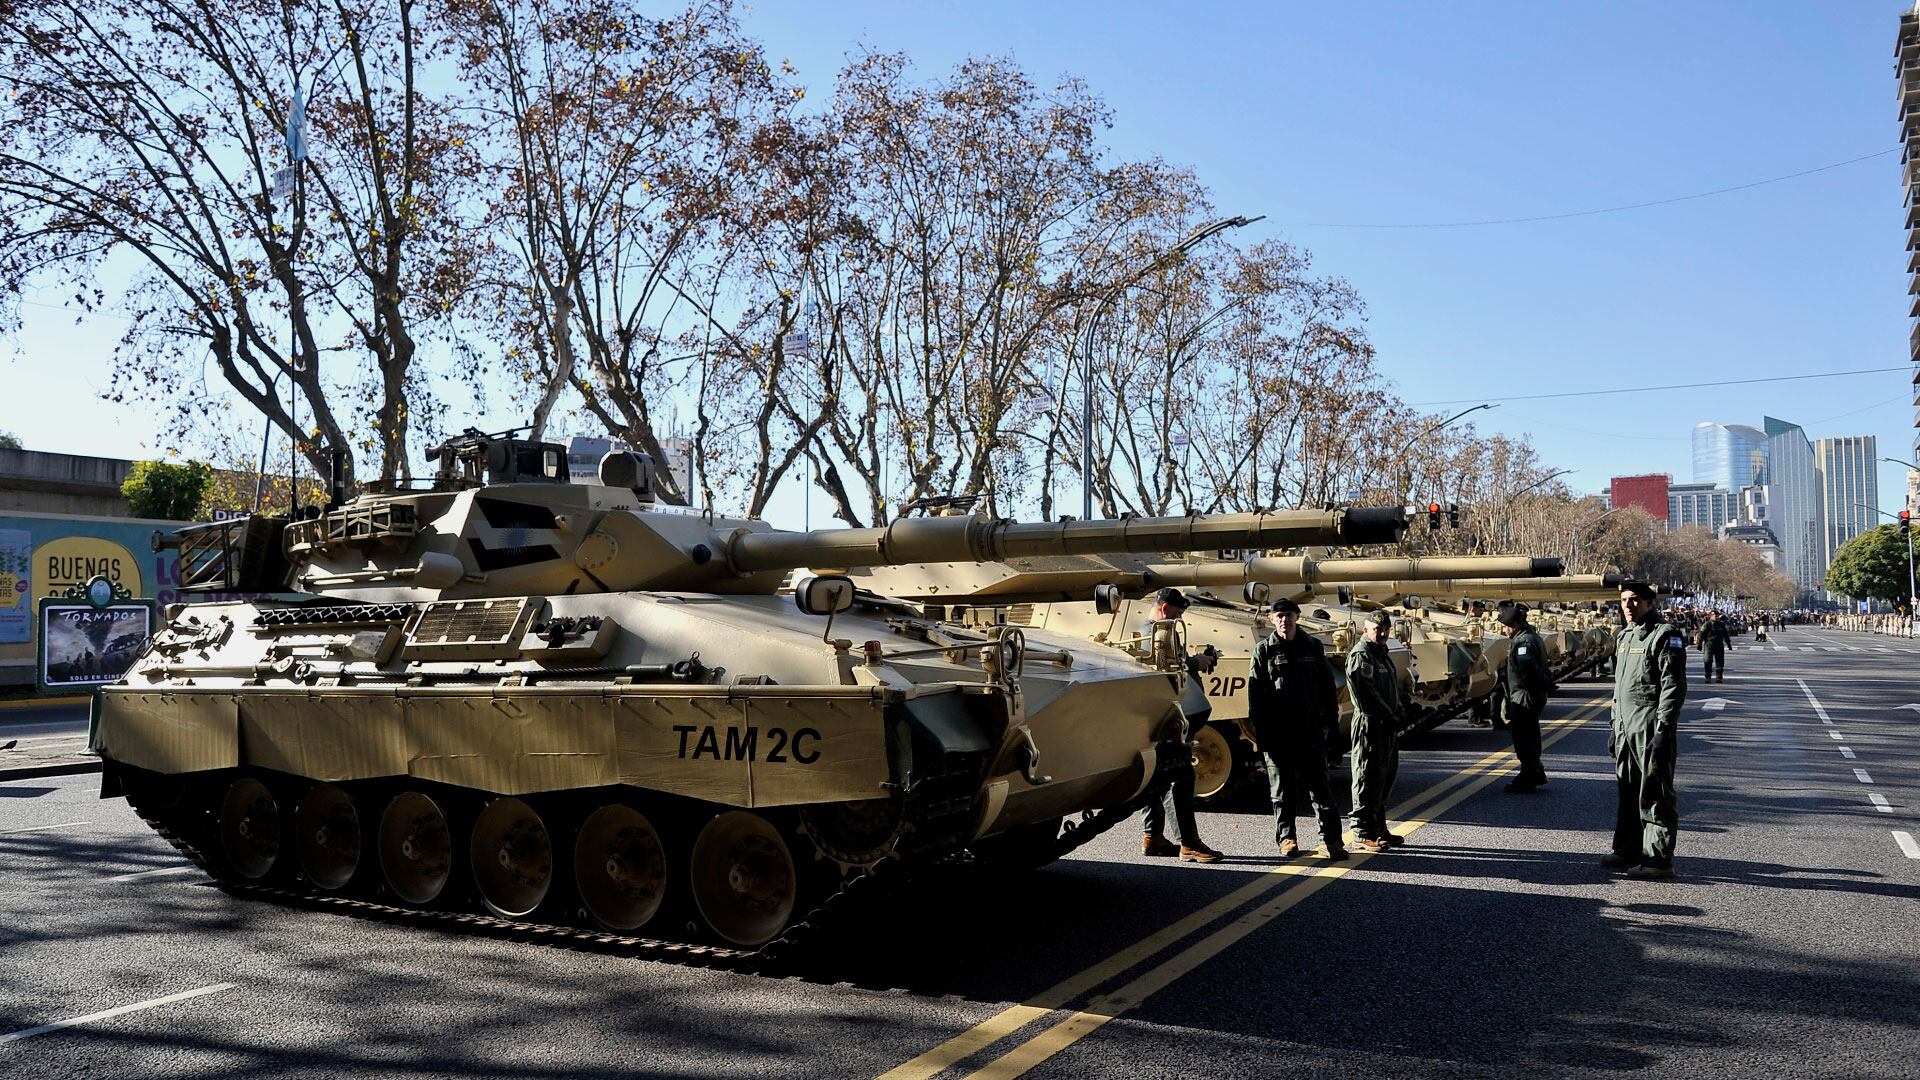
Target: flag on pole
{"type": "Point", "coordinates": [297, 127]}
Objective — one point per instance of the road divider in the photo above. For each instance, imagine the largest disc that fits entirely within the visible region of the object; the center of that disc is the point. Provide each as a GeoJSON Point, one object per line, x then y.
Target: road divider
{"type": "Point", "coordinates": [1294, 882]}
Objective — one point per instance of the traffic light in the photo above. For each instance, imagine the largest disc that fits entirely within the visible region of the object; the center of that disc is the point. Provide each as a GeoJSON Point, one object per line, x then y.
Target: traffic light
{"type": "Point", "coordinates": [1433, 517]}
{"type": "Point", "coordinates": [1906, 521]}
{"type": "Point", "coordinates": [1453, 515]}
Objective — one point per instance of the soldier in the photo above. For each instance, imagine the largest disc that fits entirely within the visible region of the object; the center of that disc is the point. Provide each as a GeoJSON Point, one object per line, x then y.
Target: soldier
{"type": "Point", "coordinates": [1173, 793]}
{"type": "Point", "coordinates": [1528, 684]}
{"type": "Point", "coordinates": [1714, 639]}
{"type": "Point", "coordinates": [1291, 698]}
{"type": "Point", "coordinates": [1650, 686]}
{"type": "Point", "coordinates": [1377, 716]}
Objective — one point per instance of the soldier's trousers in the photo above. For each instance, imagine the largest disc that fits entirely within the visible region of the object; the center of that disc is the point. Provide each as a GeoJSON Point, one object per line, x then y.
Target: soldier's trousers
{"type": "Point", "coordinates": [1297, 775]}
{"type": "Point", "coordinates": [1376, 764]}
{"type": "Point", "coordinates": [1526, 743]}
{"type": "Point", "coordinates": [1173, 797]}
{"type": "Point", "coordinates": [1648, 817]}
{"type": "Point", "coordinates": [1716, 660]}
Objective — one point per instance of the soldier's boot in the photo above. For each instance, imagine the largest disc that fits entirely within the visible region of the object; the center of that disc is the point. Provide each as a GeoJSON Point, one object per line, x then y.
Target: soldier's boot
{"type": "Point", "coordinates": [1157, 846]}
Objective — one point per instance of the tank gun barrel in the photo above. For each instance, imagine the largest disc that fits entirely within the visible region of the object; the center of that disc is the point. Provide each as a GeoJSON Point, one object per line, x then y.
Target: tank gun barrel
{"type": "Point", "coordinates": [1569, 588]}
{"type": "Point", "coordinates": [1295, 570]}
{"type": "Point", "coordinates": [978, 539]}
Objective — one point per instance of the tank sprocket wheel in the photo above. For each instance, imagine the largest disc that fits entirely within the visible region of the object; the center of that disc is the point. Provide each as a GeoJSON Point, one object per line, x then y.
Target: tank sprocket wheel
{"type": "Point", "coordinates": [855, 835]}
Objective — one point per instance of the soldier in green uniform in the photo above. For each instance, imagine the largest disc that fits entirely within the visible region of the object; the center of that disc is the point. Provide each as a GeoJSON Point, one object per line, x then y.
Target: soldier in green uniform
{"type": "Point", "coordinates": [1650, 686]}
{"type": "Point", "coordinates": [1292, 702]}
{"type": "Point", "coordinates": [1714, 639]}
{"type": "Point", "coordinates": [1377, 715]}
{"type": "Point", "coordinates": [1528, 684]}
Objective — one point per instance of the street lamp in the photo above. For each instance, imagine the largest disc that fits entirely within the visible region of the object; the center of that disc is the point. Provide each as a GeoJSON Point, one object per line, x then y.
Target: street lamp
{"type": "Point", "coordinates": [1428, 430]}
{"type": "Point", "coordinates": [1204, 232]}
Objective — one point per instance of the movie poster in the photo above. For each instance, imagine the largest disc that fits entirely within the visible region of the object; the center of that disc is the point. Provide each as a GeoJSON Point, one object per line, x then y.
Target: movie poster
{"type": "Point", "coordinates": [84, 646]}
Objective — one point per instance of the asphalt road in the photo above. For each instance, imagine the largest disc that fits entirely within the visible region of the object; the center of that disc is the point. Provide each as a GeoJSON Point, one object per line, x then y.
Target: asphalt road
{"type": "Point", "coordinates": [1492, 944]}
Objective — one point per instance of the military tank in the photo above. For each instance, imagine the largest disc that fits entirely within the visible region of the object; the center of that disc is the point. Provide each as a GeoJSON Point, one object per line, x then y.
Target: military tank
{"type": "Point", "coordinates": [503, 699]}
{"type": "Point", "coordinates": [1228, 617]}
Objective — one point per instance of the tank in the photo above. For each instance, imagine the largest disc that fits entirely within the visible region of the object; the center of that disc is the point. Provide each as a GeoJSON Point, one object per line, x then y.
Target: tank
{"type": "Point", "coordinates": [504, 700]}
{"type": "Point", "coordinates": [1227, 616]}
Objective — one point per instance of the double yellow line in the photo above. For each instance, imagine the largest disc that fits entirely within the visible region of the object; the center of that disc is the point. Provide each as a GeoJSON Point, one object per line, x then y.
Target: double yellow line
{"type": "Point", "coordinates": [1409, 816]}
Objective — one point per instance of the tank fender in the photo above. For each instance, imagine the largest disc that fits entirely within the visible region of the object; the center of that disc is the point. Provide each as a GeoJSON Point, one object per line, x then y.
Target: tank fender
{"type": "Point", "coordinates": [948, 725]}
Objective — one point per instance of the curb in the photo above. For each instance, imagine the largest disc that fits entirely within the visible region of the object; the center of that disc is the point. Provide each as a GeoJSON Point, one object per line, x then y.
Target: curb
{"type": "Point", "coordinates": [32, 702]}
{"type": "Point", "coordinates": [35, 772]}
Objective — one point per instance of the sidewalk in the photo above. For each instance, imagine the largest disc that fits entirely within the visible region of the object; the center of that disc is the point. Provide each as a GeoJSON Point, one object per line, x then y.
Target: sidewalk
{"type": "Point", "coordinates": [49, 737]}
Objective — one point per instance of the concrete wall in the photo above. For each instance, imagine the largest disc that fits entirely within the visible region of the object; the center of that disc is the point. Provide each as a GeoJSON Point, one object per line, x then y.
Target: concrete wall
{"type": "Point", "coordinates": [35, 482]}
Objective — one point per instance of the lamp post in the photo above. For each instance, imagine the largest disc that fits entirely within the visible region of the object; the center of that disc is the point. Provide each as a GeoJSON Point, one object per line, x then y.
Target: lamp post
{"type": "Point", "coordinates": [1204, 232]}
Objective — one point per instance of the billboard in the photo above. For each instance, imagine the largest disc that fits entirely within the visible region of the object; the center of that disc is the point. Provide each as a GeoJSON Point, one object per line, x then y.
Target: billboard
{"type": "Point", "coordinates": [44, 556]}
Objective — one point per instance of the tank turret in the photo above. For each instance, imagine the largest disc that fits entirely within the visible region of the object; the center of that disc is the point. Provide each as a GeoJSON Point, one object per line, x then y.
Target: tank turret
{"type": "Point", "coordinates": [459, 540]}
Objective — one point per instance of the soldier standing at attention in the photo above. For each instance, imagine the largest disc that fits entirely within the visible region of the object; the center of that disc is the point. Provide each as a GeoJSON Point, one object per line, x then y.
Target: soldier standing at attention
{"type": "Point", "coordinates": [1173, 792]}
{"type": "Point", "coordinates": [1528, 683]}
{"type": "Point", "coordinates": [1291, 698]}
{"type": "Point", "coordinates": [1377, 715]}
{"type": "Point", "coordinates": [1714, 639]}
{"type": "Point", "coordinates": [1650, 686]}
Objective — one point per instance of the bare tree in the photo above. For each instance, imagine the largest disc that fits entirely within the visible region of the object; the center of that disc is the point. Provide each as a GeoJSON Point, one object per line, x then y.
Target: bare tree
{"type": "Point", "coordinates": [146, 141]}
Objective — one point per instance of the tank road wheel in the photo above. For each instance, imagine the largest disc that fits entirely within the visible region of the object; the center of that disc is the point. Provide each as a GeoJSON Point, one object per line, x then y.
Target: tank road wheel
{"type": "Point", "coordinates": [744, 879]}
{"type": "Point", "coordinates": [512, 858]}
{"type": "Point", "coordinates": [1217, 767]}
{"type": "Point", "coordinates": [620, 867]}
{"type": "Point", "coordinates": [326, 829]}
{"type": "Point", "coordinates": [250, 828]}
{"type": "Point", "coordinates": [415, 847]}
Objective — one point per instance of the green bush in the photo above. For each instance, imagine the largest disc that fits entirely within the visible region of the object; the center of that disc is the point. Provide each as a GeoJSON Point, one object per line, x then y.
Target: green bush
{"type": "Point", "coordinates": [155, 489]}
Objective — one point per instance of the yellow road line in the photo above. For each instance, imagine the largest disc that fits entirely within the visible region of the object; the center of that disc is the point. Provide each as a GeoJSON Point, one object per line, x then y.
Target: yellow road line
{"type": "Point", "coordinates": [998, 1026]}
{"type": "Point", "coordinates": [1020, 1059]}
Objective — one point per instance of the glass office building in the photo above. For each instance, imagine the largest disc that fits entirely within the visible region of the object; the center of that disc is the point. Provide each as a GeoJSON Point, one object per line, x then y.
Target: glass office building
{"type": "Point", "coordinates": [1794, 509]}
{"type": "Point", "coordinates": [1731, 456]}
{"type": "Point", "coordinates": [1849, 489]}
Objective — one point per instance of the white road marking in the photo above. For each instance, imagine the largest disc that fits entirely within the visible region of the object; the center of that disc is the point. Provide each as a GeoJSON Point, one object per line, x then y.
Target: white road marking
{"type": "Point", "coordinates": [1861, 775]}
{"type": "Point", "coordinates": [1847, 752]}
{"type": "Point", "coordinates": [1830, 648]}
{"type": "Point", "coordinates": [1905, 840]}
{"type": "Point", "coordinates": [1880, 802]}
{"type": "Point", "coordinates": [1881, 648]}
{"type": "Point", "coordinates": [1806, 648]}
{"type": "Point", "coordinates": [1818, 709]}
{"type": "Point", "coordinates": [190, 866]}
{"type": "Point", "coordinates": [44, 828]}
{"type": "Point", "coordinates": [58, 1025]}
{"type": "Point", "coordinates": [1833, 735]}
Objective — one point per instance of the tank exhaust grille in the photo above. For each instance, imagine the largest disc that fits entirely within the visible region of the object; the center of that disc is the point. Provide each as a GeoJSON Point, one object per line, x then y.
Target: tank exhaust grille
{"type": "Point", "coordinates": [470, 629]}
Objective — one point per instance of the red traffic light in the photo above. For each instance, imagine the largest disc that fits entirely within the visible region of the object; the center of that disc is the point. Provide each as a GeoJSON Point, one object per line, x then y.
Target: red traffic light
{"type": "Point", "coordinates": [1433, 508]}
{"type": "Point", "coordinates": [1906, 515]}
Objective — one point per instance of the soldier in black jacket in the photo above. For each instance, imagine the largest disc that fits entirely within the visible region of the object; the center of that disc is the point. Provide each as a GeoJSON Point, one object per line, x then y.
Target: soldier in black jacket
{"type": "Point", "coordinates": [1528, 684]}
{"type": "Point", "coordinates": [1291, 700]}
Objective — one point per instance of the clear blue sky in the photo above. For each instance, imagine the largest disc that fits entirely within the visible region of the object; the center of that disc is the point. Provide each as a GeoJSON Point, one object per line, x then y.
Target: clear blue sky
{"type": "Point", "coordinates": [1377, 114]}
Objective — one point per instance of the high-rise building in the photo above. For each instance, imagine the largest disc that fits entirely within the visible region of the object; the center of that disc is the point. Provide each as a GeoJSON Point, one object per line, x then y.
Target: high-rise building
{"type": "Point", "coordinates": [1906, 70]}
{"type": "Point", "coordinates": [1793, 505]}
{"type": "Point", "coordinates": [1731, 456]}
{"type": "Point", "coordinates": [1849, 493]}
{"type": "Point", "coordinates": [1647, 492]}
{"type": "Point", "coordinates": [1702, 506]}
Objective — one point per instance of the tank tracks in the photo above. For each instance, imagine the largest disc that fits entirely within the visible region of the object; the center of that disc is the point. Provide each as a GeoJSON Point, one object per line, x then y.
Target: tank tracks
{"type": "Point", "coordinates": [950, 817]}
